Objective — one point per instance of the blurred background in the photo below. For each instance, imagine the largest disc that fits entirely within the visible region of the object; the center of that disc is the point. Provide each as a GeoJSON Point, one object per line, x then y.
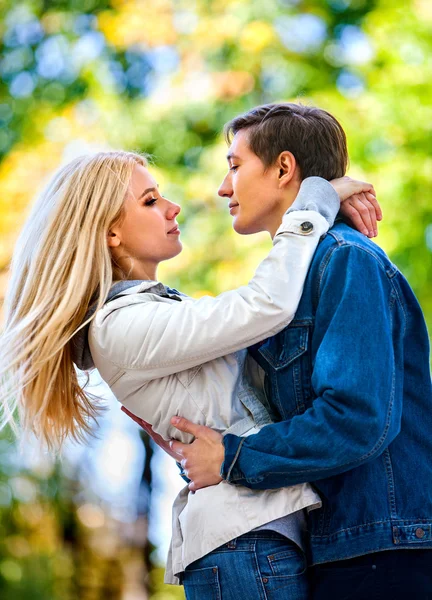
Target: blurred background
{"type": "Point", "coordinates": [163, 76]}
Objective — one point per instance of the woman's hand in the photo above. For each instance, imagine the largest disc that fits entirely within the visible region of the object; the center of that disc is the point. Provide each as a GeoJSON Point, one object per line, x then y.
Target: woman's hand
{"type": "Point", "coordinates": [158, 439]}
{"type": "Point", "coordinates": [358, 204]}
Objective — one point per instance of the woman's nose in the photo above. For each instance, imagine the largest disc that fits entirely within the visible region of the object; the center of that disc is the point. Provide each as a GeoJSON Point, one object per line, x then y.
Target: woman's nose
{"type": "Point", "coordinates": [173, 210]}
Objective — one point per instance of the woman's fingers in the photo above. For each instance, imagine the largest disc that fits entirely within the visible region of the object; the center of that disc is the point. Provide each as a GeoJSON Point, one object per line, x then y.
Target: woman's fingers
{"type": "Point", "coordinates": [346, 187]}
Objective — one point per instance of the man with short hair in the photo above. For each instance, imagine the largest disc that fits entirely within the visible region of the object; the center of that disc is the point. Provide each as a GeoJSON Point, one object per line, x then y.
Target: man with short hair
{"type": "Point", "coordinates": [348, 380]}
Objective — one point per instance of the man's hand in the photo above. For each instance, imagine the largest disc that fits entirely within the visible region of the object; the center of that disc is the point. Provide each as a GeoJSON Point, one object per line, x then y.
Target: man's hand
{"type": "Point", "coordinates": [359, 204]}
{"type": "Point", "coordinates": [202, 459]}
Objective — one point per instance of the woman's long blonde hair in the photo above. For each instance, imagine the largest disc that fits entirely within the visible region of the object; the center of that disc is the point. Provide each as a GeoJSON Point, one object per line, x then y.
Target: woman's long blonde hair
{"type": "Point", "coordinates": [61, 266]}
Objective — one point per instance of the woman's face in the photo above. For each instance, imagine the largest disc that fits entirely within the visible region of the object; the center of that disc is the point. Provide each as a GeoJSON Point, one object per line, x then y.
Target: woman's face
{"type": "Point", "coordinates": [148, 232]}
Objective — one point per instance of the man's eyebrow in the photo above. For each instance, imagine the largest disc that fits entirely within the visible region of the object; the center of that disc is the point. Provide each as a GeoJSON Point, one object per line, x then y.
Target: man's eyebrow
{"type": "Point", "coordinates": [147, 191]}
{"type": "Point", "coordinates": [230, 155]}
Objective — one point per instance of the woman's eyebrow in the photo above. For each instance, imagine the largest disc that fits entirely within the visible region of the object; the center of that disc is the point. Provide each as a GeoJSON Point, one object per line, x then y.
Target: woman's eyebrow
{"type": "Point", "coordinates": [147, 191]}
{"type": "Point", "coordinates": [230, 156]}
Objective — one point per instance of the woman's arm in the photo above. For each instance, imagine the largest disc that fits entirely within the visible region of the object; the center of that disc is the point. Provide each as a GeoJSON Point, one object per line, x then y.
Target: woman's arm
{"type": "Point", "coordinates": [161, 338]}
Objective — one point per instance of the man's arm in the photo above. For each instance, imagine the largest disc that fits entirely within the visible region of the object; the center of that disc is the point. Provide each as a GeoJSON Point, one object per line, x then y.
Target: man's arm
{"type": "Point", "coordinates": [358, 409]}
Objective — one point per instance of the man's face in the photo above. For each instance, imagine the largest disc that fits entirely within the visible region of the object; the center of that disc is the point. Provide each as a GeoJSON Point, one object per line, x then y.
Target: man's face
{"type": "Point", "coordinates": [255, 196]}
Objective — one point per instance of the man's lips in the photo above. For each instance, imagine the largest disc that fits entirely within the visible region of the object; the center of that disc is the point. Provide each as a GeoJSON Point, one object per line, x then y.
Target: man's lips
{"type": "Point", "coordinates": [174, 229]}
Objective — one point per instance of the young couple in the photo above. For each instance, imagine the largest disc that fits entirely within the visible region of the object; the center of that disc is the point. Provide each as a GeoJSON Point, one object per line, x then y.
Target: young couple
{"type": "Point", "coordinates": [316, 371]}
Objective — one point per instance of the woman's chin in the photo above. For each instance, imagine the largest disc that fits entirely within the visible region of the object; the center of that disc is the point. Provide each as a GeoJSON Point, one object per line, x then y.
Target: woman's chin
{"type": "Point", "coordinates": [176, 251]}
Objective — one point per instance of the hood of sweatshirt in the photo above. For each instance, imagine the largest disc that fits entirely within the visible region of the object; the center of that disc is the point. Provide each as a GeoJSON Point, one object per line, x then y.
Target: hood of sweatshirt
{"type": "Point", "coordinates": [81, 354]}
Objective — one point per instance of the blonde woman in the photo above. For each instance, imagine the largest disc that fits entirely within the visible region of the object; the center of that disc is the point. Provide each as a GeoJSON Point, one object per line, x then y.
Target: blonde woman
{"type": "Point", "coordinates": [84, 288]}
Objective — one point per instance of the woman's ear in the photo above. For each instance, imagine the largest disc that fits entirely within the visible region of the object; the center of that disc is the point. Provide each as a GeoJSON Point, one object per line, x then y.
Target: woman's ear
{"type": "Point", "coordinates": [287, 166]}
{"type": "Point", "coordinates": [113, 239]}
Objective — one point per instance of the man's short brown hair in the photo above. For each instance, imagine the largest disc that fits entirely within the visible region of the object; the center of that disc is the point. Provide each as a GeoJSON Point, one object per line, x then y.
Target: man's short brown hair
{"type": "Point", "coordinates": [314, 136]}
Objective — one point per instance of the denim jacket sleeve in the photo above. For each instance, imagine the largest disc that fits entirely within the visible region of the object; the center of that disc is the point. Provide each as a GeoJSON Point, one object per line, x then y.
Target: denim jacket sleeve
{"type": "Point", "coordinates": [356, 377]}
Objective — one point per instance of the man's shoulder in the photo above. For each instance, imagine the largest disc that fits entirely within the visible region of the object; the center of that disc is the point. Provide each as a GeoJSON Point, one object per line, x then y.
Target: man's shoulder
{"type": "Point", "coordinates": [342, 241]}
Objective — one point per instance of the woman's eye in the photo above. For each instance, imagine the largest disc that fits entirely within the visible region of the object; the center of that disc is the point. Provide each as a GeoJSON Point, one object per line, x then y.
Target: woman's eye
{"type": "Point", "coordinates": [150, 201]}
{"type": "Point", "coordinates": [234, 168]}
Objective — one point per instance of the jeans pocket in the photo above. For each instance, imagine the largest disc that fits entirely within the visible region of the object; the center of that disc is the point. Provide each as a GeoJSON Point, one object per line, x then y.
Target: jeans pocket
{"type": "Point", "coordinates": [202, 584]}
{"type": "Point", "coordinates": [283, 572]}
{"type": "Point", "coordinates": [288, 563]}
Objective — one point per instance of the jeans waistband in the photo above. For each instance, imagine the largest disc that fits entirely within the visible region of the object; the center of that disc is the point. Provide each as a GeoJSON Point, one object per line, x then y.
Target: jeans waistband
{"type": "Point", "coordinates": [257, 535]}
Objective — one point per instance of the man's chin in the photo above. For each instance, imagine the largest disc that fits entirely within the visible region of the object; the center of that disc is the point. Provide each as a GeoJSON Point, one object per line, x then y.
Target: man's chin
{"type": "Point", "coordinates": [244, 228]}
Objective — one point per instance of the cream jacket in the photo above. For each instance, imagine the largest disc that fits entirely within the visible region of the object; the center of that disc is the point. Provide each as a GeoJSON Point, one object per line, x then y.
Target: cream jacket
{"type": "Point", "coordinates": [164, 355]}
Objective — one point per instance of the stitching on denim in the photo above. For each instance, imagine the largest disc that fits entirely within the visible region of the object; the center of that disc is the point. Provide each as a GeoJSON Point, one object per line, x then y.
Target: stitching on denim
{"type": "Point", "coordinates": [351, 529]}
{"type": "Point", "coordinates": [391, 401]}
{"type": "Point", "coordinates": [258, 578]}
{"type": "Point", "coordinates": [322, 269]}
{"type": "Point", "coordinates": [415, 520]}
{"type": "Point", "coordinates": [401, 304]}
{"type": "Point", "coordinates": [371, 452]}
{"type": "Point", "coordinates": [228, 477]}
{"type": "Point", "coordinates": [390, 483]}
{"type": "Point", "coordinates": [356, 555]}
{"type": "Point", "coordinates": [344, 244]}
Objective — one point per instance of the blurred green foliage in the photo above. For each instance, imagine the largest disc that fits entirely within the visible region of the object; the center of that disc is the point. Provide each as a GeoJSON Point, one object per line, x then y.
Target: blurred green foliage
{"type": "Point", "coordinates": [163, 77]}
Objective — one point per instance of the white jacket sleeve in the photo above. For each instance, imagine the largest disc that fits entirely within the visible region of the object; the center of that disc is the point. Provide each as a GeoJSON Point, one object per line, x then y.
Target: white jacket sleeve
{"type": "Point", "coordinates": [161, 338]}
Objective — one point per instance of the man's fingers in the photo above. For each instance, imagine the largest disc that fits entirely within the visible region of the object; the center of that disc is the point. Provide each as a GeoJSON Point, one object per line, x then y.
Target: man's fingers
{"type": "Point", "coordinates": [361, 212]}
{"type": "Point", "coordinates": [372, 199]}
{"type": "Point", "coordinates": [372, 212]}
{"type": "Point", "coordinates": [185, 425]}
{"type": "Point", "coordinates": [198, 431]}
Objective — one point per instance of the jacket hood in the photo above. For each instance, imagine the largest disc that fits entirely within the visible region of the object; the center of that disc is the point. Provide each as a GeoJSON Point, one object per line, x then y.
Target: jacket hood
{"type": "Point", "coordinates": [81, 354]}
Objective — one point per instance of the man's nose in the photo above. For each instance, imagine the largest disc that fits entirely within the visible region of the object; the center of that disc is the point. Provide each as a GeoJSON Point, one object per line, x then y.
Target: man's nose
{"type": "Point", "coordinates": [225, 190]}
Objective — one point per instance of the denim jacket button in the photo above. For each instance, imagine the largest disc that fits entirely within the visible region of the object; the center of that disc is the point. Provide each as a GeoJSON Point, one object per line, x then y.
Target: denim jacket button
{"type": "Point", "coordinates": [419, 533]}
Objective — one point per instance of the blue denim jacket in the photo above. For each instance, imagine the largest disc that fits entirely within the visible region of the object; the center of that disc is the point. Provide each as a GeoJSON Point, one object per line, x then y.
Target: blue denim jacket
{"type": "Point", "coordinates": [350, 381]}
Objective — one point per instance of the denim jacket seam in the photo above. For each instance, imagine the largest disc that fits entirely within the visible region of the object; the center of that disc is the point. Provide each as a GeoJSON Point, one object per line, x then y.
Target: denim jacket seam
{"type": "Point", "coordinates": [323, 267]}
{"type": "Point", "coordinates": [390, 483]}
{"type": "Point", "coordinates": [228, 476]}
{"type": "Point", "coordinates": [362, 458]}
{"type": "Point", "coordinates": [400, 303]}
{"type": "Point", "coordinates": [368, 523]}
{"type": "Point", "coordinates": [342, 244]}
{"type": "Point", "coordinates": [390, 520]}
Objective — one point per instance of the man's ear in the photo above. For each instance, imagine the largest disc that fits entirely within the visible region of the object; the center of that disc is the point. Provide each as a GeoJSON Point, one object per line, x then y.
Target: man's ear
{"type": "Point", "coordinates": [113, 239]}
{"type": "Point", "coordinates": [287, 166]}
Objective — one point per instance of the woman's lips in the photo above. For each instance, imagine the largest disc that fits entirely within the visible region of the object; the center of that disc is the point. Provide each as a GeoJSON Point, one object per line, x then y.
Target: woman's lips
{"type": "Point", "coordinates": [232, 208]}
{"type": "Point", "coordinates": [174, 231]}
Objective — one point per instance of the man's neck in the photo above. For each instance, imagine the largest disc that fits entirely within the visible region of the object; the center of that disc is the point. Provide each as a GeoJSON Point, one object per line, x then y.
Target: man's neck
{"type": "Point", "coordinates": [288, 199]}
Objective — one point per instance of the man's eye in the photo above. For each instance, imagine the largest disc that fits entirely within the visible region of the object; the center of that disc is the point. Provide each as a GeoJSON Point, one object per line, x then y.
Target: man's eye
{"type": "Point", "coordinates": [150, 201]}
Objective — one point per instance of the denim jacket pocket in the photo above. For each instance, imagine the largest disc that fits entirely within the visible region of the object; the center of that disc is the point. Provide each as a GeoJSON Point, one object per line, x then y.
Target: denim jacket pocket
{"type": "Point", "coordinates": [290, 371]}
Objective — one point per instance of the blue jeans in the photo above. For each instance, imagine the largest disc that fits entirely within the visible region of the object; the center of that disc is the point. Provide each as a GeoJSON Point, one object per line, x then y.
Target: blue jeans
{"type": "Point", "coordinates": [261, 565]}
